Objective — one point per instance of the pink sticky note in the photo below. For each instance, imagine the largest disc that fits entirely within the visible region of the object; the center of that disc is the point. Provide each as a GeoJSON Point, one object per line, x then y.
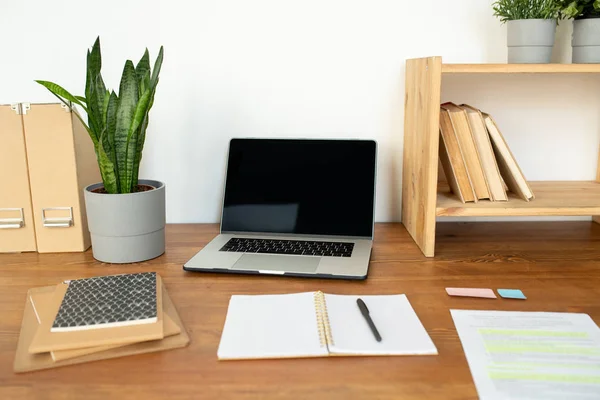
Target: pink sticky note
{"type": "Point", "coordinates": [471, 292]}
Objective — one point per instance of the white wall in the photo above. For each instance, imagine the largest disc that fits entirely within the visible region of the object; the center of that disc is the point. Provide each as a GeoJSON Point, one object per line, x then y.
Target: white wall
{"type": "Point", "coordinates": [310, 68]}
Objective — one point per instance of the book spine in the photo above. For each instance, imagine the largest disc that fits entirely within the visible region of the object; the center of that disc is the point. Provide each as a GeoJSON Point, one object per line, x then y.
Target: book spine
{"type": "Point", "coordinates": [323, 319]}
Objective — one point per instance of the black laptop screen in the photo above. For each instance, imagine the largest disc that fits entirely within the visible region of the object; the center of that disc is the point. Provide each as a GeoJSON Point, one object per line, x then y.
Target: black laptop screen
{"type": "Point", "coordinates": [312, 187]}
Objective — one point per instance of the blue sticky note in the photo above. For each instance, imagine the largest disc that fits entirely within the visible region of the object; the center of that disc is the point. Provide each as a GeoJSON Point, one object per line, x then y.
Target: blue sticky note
{"type": "Point", "coordinates": [511, 294]}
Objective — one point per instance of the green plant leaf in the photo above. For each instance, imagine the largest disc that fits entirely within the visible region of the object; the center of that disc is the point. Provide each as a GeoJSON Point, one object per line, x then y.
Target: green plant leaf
{"type": "Point", "coordinates": [145, 82]}
{"type": "Point", "coordinates": [107, 168]}
{"type": "Point", "coordinates": [128, 99]}
{"type": "Point", "coordinates": [143, 67]}
{"type": "Point", "coordinates": [94, 64]}
{"type": "Point", "coordinates": [95, 90]}
{"type": "Point", "coordinates": [157, 66]}
{"type": "Point", "coordinates": [109, 137]}
{"type": "Point", "coordinates": [81, 98]}
{"type": "Point", "coordinates": [62, 94]}
{"type": "Point", "coordinates": [139, 147]}
{"type": "Point", "coordinates": [132, 140]}
{"type": "Point", "coordinates": [105, 106]}
{"type": "Point", "coordinates": [96, 105]}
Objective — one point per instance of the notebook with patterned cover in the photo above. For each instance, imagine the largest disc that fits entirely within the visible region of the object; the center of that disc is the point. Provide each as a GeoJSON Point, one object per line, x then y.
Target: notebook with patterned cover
{"type": "Point", "coordinates": [107, 302]}
{"type": "Point", "coordinates": [45, 340]}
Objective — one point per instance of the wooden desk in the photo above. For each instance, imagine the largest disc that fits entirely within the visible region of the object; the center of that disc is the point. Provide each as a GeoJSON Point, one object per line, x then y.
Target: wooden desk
{"type": "Point", "coordinates": [555, 264]}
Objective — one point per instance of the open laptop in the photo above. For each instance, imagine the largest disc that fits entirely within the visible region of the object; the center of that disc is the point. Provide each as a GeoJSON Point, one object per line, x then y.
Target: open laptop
{"type": "Point", "coordinates": [302, 207]}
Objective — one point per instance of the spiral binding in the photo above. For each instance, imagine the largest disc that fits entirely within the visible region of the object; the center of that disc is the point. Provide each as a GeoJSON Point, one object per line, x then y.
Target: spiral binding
{"type": "Point", "coordinates": [323, 319]}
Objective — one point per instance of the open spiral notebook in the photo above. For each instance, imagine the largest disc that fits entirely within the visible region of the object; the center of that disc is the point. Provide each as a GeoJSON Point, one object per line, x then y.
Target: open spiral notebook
{"type": "Point", "coordinates": [315, 324]}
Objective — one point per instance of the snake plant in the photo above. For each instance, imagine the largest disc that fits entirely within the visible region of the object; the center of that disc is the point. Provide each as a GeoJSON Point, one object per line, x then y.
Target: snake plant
{"type": "Point", "coordinates": [117, 123]}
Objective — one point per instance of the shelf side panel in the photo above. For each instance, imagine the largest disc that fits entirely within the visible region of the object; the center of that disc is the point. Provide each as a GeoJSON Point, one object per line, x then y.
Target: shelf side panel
{"type": "Point", "coordinates": [596, 218]}
{"type": "Point", "coordinates": [421, 141]}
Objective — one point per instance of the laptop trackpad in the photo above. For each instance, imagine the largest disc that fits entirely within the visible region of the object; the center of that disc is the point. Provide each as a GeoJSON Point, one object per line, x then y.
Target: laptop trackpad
{"type": "Point", "coordinates": [256, 262]}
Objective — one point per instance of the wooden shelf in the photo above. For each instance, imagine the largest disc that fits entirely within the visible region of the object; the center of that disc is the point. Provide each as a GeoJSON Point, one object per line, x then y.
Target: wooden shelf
{"type": "Point", "coordinates": [559, 198]}
{"type": "Point", "coordinates": [423, 202]}
{"type": "Point", "coordinates": [520, 68]}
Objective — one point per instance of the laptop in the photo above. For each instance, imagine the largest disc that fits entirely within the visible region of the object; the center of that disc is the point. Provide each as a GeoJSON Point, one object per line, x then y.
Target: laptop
{"type": "Point", "coordinates": [300, 207]}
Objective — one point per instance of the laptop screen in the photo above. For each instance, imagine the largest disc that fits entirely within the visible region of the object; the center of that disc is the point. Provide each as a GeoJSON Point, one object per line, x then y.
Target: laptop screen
{"type": "Point", "coordinates": [300, 186]}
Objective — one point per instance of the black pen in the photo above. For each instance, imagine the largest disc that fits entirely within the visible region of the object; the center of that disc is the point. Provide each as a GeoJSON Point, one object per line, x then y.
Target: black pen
{"type": "Point", "coordinates": [365, 312]}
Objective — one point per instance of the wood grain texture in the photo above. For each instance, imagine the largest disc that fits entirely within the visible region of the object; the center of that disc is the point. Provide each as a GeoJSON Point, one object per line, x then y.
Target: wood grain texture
{"type": "Point", "coordinates": [421, 141]}
{"type": "Point", "coordinates": [554, 263]}
{"type": "Point", "coordinates": [552, 198]}
{"type": "Point", "coordinates": [520, 68]}
{"type": "Point", "coordinates": [576, 199]}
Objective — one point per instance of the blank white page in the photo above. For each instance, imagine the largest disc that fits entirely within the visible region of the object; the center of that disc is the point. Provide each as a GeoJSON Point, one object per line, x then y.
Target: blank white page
{"type": "Point", "coordinates": [271, 326]}
{"type": "Point", "coordinates": [400, 329]}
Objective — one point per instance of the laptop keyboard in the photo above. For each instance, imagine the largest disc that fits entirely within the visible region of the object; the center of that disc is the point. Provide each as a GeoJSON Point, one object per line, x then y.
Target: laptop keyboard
{"type": "Point", "coordinates": [295, 247]}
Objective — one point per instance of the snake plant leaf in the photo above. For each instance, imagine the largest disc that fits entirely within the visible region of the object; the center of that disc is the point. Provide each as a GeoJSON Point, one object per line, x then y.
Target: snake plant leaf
{"type": "Point", "coordinates": [128, 99]}
{"type": "Point", "coordinates": [95, 59]}
{"type": "Point", "coordinates": [143, 67]}
{"type": "Point", "coordinates": [145, 82]}
{"type": "Point", "coordinates": [95, 90]}
{"type": "Point", "coordinates": [107, 170]}
{"type": "Point", "coordinates": [105, 106]}
{"type": "Point", "coordinates": [82, 99]}
{"type": "Point", "coordinates": [132, 140]}
{"type": "Point", "coordinates": [142, 137]}
{"type": "Point", "coordinates": [111, 118]}
{"type": "Point", "coordinates": [138, 149]}
{"type": "Point", "coordinates": [96, 107]}
{"type": "Point", "coordinates": [62, 93]}
{"type": "Point", "coordinates": [111, 124]}
{"type": "Point", "coordinates": [156, 69]}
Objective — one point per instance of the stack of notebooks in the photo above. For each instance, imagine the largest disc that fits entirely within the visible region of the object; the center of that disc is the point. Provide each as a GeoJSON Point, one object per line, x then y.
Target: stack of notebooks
{"type": "Point", "coordinates": [97, 318]}
{"type": "Point", "coordinates": [476, 159]}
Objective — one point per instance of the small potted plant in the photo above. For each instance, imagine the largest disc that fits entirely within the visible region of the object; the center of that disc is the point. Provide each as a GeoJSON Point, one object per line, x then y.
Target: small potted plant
{"type": "Point", "coordinates": [586, 29]}
{"type": "Point", "coordinates": [531, 27]}
{"type": "Point", "coordinates": [126, 215]}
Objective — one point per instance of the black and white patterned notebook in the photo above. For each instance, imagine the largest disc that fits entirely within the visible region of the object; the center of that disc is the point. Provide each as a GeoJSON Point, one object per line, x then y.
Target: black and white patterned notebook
{"type": "Point", "coordinates": [108, 301]}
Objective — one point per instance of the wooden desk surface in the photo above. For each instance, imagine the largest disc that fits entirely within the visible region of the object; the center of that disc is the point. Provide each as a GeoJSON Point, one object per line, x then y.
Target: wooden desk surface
{"type": "Point", "coordinates": [555, 264]}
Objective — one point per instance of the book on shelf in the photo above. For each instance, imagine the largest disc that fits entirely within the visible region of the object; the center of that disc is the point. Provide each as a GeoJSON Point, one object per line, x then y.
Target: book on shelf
{"type": "Point", "coordinates": [507, 164]}
{"type": "Point", "coordinates": [460, 123]}
{"type": "Point", "coordinates": [452, 160]}
{"type": "Point", "coordinates": [486, 153]}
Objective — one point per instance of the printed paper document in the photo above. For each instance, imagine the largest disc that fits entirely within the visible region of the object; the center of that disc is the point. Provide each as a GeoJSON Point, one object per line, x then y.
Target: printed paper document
{"type": "Point", "coordinates": [531, 355]}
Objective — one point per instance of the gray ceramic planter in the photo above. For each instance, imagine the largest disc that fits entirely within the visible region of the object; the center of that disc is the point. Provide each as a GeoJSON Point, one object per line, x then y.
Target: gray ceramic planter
{"type": "Point", "coordinates": [586, 41]}
{"type": "Point", "coordinates": [530, 41]}
{"type": "Point", "coordinates": [127, 228]}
